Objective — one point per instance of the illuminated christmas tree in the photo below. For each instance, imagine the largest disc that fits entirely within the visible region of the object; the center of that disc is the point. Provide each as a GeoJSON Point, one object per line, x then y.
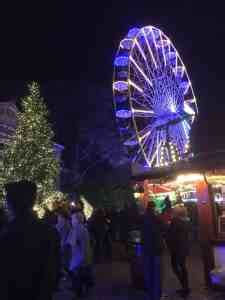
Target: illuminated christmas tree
{"type": "Point", "coordinates": [30, 153]}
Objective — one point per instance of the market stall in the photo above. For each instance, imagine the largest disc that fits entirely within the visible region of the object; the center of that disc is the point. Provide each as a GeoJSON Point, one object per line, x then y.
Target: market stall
{"type": "Point", "coordinates": [202, 190]}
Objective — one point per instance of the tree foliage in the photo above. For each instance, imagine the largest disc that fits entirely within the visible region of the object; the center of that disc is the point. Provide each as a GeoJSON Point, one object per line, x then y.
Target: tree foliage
{"type": "Point", "coordinates": [30, 152]}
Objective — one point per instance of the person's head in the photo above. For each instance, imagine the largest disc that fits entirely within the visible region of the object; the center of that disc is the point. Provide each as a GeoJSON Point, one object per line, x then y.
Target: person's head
{"type": "Point", "coordinates": [21, 196]}
{"type": "Point", "coordinates": [167, 204]}
{"type": "Point", "coordinates": [180, 212]}
{"type": "Point", "coordinates": [179, 199]}
{"type": "Point", "coordinates": [150, 209]}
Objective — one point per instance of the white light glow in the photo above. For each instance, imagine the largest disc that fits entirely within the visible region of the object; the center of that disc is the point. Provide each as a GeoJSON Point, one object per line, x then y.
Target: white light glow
{"type": "Point", "coordinates": [173, 108]}
{"type": "Point", "coordinates": [142, 112]}
{"type": "Point", "coordinates": [188, 109]}
{"type": "Point", "coordinates": [137, 195]}
{"type": "Point", "coordinates": [185, 130]}
{"type": "Point", "coordinates": [189, 178]}
{"type": "Point", "coordinates": [187, 124]}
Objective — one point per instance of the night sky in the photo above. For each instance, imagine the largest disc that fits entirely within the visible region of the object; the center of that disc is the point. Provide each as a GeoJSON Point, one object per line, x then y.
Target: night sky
{"type": "Point", "coordinates": [78, 44]}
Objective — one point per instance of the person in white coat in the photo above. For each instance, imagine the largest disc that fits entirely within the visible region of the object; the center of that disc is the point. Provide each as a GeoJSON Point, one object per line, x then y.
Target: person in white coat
{"type": "Point", "coordinates": [81, 255]}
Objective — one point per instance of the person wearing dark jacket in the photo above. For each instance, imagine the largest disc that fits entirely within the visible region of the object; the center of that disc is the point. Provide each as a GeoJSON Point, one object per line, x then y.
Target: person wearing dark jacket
{"type": "Point", "coordinates": [178, 244]}
{"type": "Point", "coordinates": [152, 251]}
{"type": "Point", "coordinates": [3, 220]}
{"type": "Point", "coordinates": [29, 249]}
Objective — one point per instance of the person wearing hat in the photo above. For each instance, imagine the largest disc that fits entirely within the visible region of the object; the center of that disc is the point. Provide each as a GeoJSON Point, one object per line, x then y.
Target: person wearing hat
{"type": "Point", "coordinates": [30, 249]}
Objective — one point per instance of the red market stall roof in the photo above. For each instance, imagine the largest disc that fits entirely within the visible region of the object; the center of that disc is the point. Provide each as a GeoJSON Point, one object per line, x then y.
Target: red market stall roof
{"type": "Point", "coordinates": [158, 188]}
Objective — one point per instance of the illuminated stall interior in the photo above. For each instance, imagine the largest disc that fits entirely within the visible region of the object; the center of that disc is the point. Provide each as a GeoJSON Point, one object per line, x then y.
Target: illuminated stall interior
{"type": "Point", "coordinates": [183, 186]}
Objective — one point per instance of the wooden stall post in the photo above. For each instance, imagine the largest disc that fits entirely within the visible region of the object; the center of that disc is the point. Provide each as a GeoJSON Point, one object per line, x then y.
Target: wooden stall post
{"type": "Point", "coordinates": [206, 226]}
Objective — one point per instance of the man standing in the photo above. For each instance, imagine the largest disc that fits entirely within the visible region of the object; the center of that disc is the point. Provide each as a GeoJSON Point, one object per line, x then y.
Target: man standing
{"type": "Point", "coordinates": [152, 251]}
{"type": "Point", "coordinates": [29, 251]}
{"type": "Point", "coordinates": [178, 244]}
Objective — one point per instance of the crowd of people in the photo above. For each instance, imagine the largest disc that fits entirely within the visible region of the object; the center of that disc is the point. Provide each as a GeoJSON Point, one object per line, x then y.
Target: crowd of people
{"type": "Point", "coordinates": [35, 255]}
{"type": "Point", "coordinates": [169, 230]}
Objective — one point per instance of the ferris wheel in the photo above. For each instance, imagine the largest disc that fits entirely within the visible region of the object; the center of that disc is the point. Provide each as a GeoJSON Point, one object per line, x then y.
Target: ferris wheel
{"type": "Point", "coordinates": [154, 101]}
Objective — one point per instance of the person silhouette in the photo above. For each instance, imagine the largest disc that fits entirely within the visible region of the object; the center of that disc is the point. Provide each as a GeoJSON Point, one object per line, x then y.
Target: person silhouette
{"type": "Point", "coordinates": [29, 249]}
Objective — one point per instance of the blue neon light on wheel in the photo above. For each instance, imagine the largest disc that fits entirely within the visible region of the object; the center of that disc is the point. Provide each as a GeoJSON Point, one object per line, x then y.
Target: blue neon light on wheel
{"type": "Point", "coordinates": [153, 96]}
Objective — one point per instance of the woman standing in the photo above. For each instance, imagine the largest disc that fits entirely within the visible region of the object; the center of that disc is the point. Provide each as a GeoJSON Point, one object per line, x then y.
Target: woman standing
{"type": "Point", "coordinates": [81, 255]}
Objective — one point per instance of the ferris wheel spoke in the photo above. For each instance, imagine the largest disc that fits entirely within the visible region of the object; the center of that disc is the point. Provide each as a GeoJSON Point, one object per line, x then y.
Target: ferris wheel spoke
{"type": "Point", "coordinates": [141, 72]}
{"type": "Point", "coordinates": [149, 48]}
{"type": "Point", "coordinates": [144, 144]}
{"type": "Point", "coordinates": [188, 109]}
{"type": "Point", "coordinates": [137, 55]}
{"type": "Point", "coordinates": [154, 42]}
{"type": "Point", "coordinates": [145, 97]}
{"type": "Point", "coordinates": [143, 113]}
{"type": "Point", "coordinates": [140, 49]}
{"type": "Point", "coordinates": [151, 146]}
{"type": "Point", "coordinates": [147, 91]}
{"type": "Point", "coordinates": [163, 50]}
{"type": "Point", "coordinates": [141, 102]}
{"type": "Point", "coordinates": [144, 133]}
{"type": "Point", "coordinates": [134, 85]}
{"type": "Point", "coordinates": [138, 154]}
{"type": "Point", "coordinates": [156, 154]}
{"type": "Point", "coordinates": [182, 140]}
{"type": "Point", "coordinates": [146, 94]}
{"type": "Point", "coordinates": [185, 129]}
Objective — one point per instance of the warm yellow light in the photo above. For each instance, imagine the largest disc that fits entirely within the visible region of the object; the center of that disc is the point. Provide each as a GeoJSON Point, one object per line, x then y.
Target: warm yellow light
{"type": "Point", "coordinates": [189, 178]}
{"type": "Point", "coordinates": [137, 195]}
{"type": "Point", "coordinates": [88, 208]}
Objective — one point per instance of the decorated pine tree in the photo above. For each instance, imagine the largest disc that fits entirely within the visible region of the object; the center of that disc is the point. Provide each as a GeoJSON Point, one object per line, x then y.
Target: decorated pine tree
{"type": "Point", "coordinates": [30, 152]}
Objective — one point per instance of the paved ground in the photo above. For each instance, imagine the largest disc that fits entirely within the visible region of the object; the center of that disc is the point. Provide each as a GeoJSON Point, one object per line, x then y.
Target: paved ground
{"type": "Point", "coordinates": [113, 283]}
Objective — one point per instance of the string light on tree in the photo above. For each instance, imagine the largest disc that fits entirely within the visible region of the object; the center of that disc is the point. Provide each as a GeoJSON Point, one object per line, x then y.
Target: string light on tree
{"type": "Point", "coordinates": [30, 153]}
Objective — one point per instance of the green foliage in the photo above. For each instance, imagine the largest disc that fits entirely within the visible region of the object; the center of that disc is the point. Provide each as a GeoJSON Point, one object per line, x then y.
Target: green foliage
{"type": "Point", "coordinates": [30, 153]}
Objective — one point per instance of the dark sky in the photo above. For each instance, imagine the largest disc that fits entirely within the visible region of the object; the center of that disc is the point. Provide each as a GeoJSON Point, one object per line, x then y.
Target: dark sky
{"type": "Point", "coordinates": [78, 43]}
